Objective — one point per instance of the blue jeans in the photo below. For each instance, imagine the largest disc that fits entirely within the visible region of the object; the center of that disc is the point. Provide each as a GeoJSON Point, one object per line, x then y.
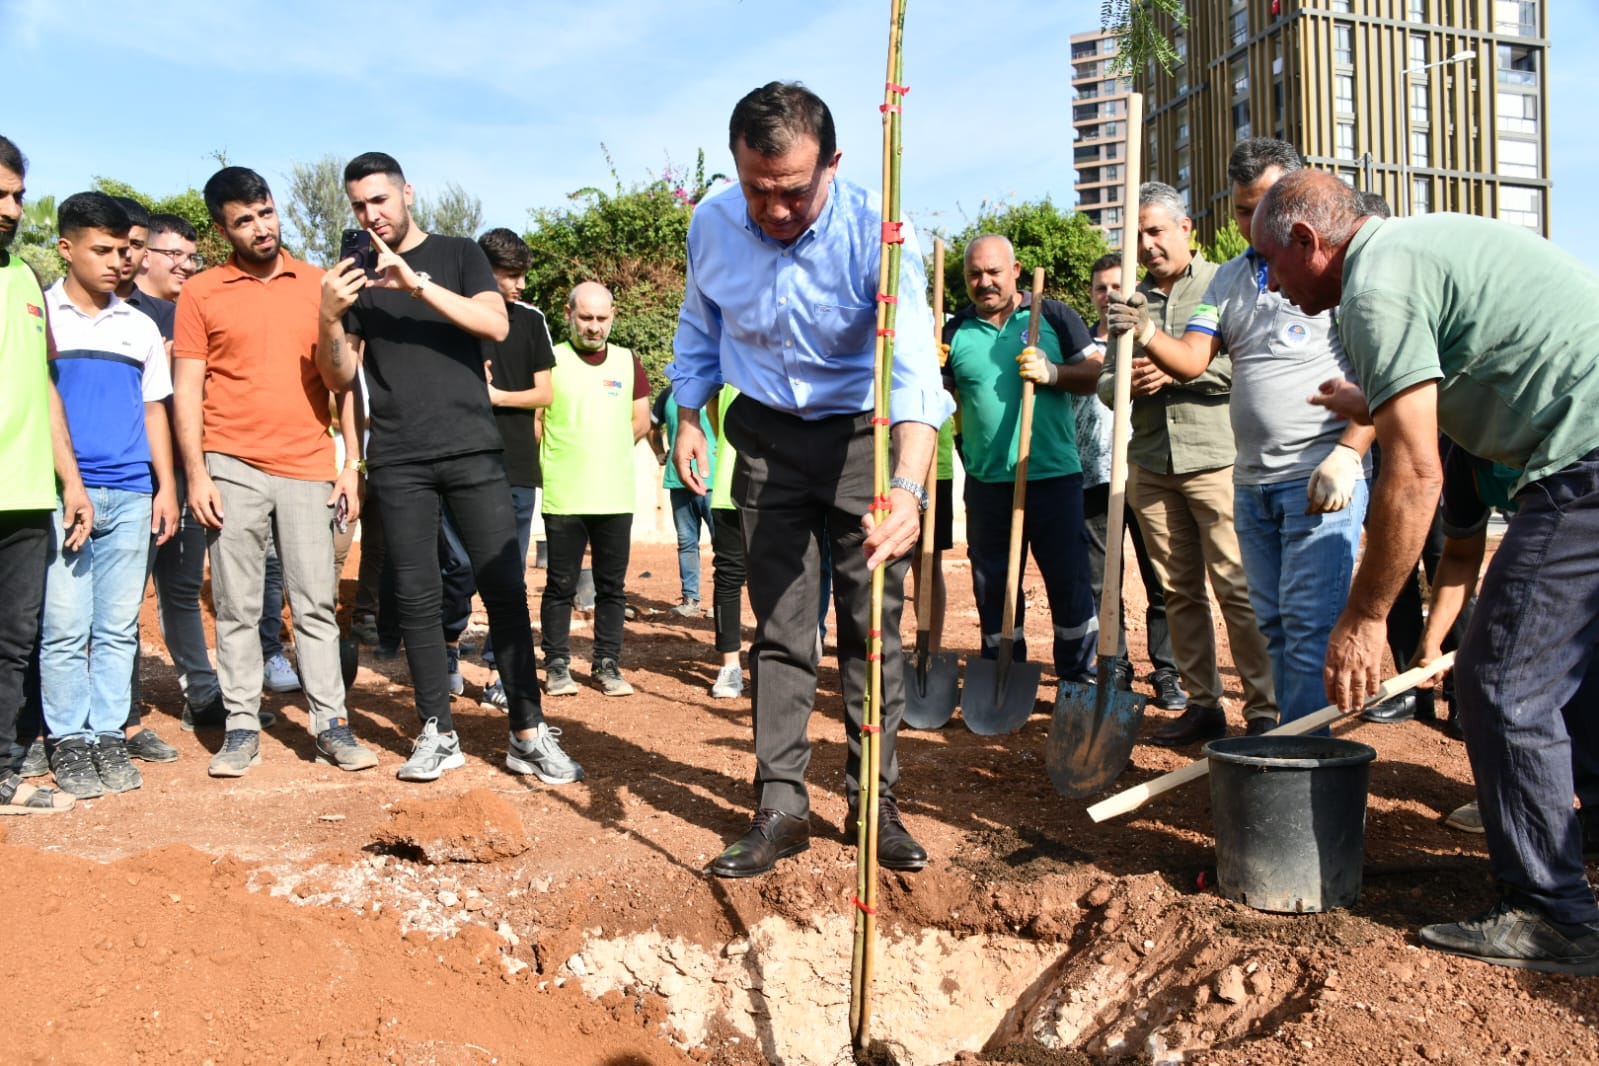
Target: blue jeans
{"type": "Point", "coordinates": [179, 572]}
{"type": "Point", "coordinates": [272, 603]}
{"type": "Point", "coordinates": [689, 509]}
{"type": "Point", "coordinates": [92, 596]}
{"type": "Point", "coordinates": [1298, 567]}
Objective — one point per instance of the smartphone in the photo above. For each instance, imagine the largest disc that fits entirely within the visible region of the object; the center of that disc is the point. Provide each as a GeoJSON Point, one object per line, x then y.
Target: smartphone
{"type": "Point", "coordinates": [356, 244]}
{"type": "Point", "coordinates": [341, 514]}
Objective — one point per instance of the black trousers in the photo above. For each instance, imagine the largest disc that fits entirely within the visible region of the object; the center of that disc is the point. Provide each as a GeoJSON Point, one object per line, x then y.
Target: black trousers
{"type": "Point", "coordinates": [24, 549]}
{"type": "Point", "coordinates": [727, 556]}
{"type": "Point", "coordinates": [797, 483]}
{"type": "Point", "coordinates": [411, 497]}
{"type": "Point", "coordinates": [610, 540]}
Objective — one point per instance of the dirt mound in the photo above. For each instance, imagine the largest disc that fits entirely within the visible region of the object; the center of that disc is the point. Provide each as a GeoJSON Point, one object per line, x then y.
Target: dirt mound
{"type": "Point", "coordinates": [476, 827]}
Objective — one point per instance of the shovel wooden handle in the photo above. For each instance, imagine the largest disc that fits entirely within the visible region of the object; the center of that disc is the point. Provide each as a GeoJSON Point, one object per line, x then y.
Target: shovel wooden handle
{"type": "Point", "coordinates": [1138, 795]}
{"type": "Point", "coordinates": [924, 583]}
{"type": "Point", "coordinates": [1018, 504]}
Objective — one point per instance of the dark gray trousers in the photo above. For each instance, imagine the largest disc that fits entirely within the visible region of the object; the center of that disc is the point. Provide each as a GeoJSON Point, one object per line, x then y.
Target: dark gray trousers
{"type": "Point", "coordinates": [797, 482]}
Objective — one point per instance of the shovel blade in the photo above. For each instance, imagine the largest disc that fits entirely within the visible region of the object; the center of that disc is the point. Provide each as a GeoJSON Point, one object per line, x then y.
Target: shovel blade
{"type": "Point", "coordinates": [1091, 736]}
{"type": "Point", "coordinates": [999, 700]}
{"type": "Point", "coordinates": [931, 691]}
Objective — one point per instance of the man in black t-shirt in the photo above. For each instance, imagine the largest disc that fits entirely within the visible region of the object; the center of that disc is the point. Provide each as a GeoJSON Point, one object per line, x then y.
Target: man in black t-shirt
{"type": "Point", "coordinates": [417, 327]}
{"type": "Point", "coordinates": [519, 384]}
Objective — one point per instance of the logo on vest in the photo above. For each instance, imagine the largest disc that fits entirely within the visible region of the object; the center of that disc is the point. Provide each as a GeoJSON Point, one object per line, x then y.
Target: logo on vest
{"type": "Point", "coordinates": [1295, 333]}
{"type": "Point", "coordinates": [36, 312]}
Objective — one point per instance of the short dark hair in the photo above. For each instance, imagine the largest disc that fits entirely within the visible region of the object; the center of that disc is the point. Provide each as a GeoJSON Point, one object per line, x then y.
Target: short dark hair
{"type": "Point", "coordinates": [161, 222]}
{"type": "Point", "coordinates": [1107, 261]}
{"type": "Point", "coordinates": [1373, 204]}
{"type": "Point", "coordinates": [369, 163]}
{"type": "Point", "coordinates": [769, 119]}
{"type": "Point", "coordinates": [1253, 157]}
{"type": "Point", "coordinates": [506, 251]}
{"type": "Point", "coordinates": [138, 214]}
{"type": "Point", "coordinates": [234, 185]}
{"type": "Point", "coordinates": [91, 210]}
{"type": "Point", "coordinates": [11, 157]}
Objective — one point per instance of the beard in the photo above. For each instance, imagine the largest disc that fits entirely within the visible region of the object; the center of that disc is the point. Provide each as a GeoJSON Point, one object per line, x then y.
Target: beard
{"type": "Point", "coordinates": [9, 234]}
{"type": "Point", "coordinates": [249, 253]}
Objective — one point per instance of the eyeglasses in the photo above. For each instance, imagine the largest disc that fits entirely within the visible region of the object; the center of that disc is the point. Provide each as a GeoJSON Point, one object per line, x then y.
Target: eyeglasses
{"type": "Point", "coordinates": [180, 258]}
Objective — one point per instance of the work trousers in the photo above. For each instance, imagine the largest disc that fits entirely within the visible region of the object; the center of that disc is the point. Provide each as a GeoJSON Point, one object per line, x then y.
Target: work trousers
{"type": "Point", "coordinates": [1187, 521]}
{"type": "Point", "coordinates": [1096, 523]}
{"type": "Point", "coordinates": [25, 538]}
{"type": "Point", "coordinates": [1527, 687]}
{"type": "Point", "coordinates": [609, 539]}
{"type": "Point", "coordinates": [411, 497]}
{"type": "Point", "coordinates": [727, 559]}
{"type": "Point", "coordinates": [1052, 525]}
{"type": "Point", "coordinates": [799, 483]}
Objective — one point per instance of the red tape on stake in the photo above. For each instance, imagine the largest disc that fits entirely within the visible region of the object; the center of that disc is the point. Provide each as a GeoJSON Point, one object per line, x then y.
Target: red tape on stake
{"type": "Point", "coordinates": [881, 503]}
{"type": "Point", "coordinates": [864, 907]}
{"type": "Point", "coordinates": [874, 633]}
{"type": "Point", "coordinates": [871, 729]}
{"type": "Point", "coordinates": [885, 333]}
{"type": "Point", "coordinates": [892, 234]}
{"type": "Point", "coordinates": [901, 89]}
{"type": "Point", "coordinates": [879, 421]}
{"type": "Point", "coordinates": [890, 107]}
{"type": "Point", "coordinates": [885, 298]}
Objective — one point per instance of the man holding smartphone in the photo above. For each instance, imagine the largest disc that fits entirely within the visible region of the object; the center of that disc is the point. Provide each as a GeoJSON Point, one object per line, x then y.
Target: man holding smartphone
{"type": "Point", "coordinates": [418, 330]}
{"type": "Point", "coordinates": [253, 419]}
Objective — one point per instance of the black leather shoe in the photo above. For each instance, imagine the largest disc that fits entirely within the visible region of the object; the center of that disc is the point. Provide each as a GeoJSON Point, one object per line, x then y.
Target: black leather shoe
{"type": "Point", "coordinates": [896, 848]}
{"type": "Point", "coordinates": [1400, 708]}
{"type": "Point", "coordinates": [773, 835]}
{"type": "Point", "coordinates": [1256, 726]}
{"type": "Point", "coordinates": [1426, 704]}
{"type": "Point", "coordinates": [1169, 694]}
{"type": "Point", "coordinates": [1123, 675]}
{"type": "Point", "coordinates": [1198, 723]}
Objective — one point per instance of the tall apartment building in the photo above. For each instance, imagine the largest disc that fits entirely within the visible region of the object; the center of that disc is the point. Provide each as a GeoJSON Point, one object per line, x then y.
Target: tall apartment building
{"type": "Point", "coordinates": [1099, 122]}
{"type": "Point", "coordinates": [1438, 105]}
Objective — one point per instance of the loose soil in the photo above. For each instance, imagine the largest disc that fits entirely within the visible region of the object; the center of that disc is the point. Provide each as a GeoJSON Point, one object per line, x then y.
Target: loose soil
{"type": "Point", "coordinates": [303, 915]}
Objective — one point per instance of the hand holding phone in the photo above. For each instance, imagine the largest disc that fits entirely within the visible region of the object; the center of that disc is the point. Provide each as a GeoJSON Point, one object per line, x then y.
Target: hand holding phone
{"type": "Point", "coordinates": [356, 245]}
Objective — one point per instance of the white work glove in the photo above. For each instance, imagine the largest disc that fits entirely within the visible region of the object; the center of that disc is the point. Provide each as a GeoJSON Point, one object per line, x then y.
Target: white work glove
{"type": "Point", "coordinates": [1333, 484]}
{"type": "Point", "coordinates": [1129, 316]}
{"type": "Point", "coordinates": [1033, 365]}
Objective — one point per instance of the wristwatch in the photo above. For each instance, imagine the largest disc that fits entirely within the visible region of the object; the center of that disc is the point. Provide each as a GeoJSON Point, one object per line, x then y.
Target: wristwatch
{"type": "Point", "coordinates": [914, 488]}
{"type": "Point", "coordinates": [422, 279]}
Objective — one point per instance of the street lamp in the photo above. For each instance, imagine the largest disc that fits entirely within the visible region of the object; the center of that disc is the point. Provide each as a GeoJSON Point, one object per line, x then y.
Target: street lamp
{"type": "Point", "coordinates": [1406, 75]}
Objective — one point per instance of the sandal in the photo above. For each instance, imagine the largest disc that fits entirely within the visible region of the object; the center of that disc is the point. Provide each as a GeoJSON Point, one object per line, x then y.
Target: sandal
{"type": "Point", "coordinates": [17, 797]}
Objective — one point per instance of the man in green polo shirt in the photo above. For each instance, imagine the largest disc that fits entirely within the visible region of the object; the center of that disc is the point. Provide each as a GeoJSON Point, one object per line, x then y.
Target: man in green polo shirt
{"type": "Point", "coordinates": [1180, 484]}
{"type": "Point", "coordinates": [1438, 340]}
{"type": "Point", "coordinates": [988, 362]}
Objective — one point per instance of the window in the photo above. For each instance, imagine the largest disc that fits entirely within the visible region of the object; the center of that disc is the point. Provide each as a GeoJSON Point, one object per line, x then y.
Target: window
{"type": "Point", "coordinates": [1516, 18]}
{"type": "Point", "coordinates": [1182, 124]}
{"type": "Point", "coordinates": [1418, 51]}
{"type": "Point", "coordinates": [1518, 113]}
{"type": "Point", "coordinates": [1110, 129]}
{"type": "Point", "coordinates": [1089, 197]}
{"type": "Point", "coordinates": [1113, 237]}
{"type": "Point", "coordinates": [1342, 5]}
{"type": "Point", "coordinates": [1420, 106]}
{"type": "Point", "coordinates": [1343, 93]}
{"type": "Point", "coordinates": [1518, 158]}
{"type": "Point", "coordinates": [1420, 196]}
{"type": "Point", "coordinates": [1346, 140]}
{"type": "Point", "coordinates": [1241, 120]}
{"type": "Point", "coordinates": [1344, 45]}
{"type": "Point", "coordinates": [1240, 73]}
{"type": "Point", "coordinates": [1110, 174]}
{"type": "Point", "coordinates": [1418, 10]}
{"type": "Point", "coordinates": [1521, 205]}
{"type": "Point", "coordinates": [1111, 216]}
{"type": "Point", "coordinates": [1240, 26]}
{"type": "Point", "coordinates": [1518, 65]}
{"type": "Point", "coordinates": [1184, 167]}
{"type": "Point", "coordinates": [1420, 145]}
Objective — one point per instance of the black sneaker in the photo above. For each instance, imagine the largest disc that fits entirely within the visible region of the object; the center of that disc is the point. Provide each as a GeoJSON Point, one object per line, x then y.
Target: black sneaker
{"type": "Point", "coordinates": [111, 762]}
{"type": "Point", "coordinates": [1122, 675]}
{"type": "Point", "coordinates": [37, 762]}
{"type": "Point", "coordinates": [147, 747]}
{"type": "Point", "coordinates": [1514, 934]}
{"type": "Point", "coordinates": [210, 716]}
{"type": "Point", "coordinates": [72, 763]}
{"type": "Point", "coordinates": [1169, 694]}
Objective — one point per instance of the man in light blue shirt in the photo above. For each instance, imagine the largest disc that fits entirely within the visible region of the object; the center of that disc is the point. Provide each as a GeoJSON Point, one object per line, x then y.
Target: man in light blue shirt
{"type": "Point", "coordinates": [781, 302]}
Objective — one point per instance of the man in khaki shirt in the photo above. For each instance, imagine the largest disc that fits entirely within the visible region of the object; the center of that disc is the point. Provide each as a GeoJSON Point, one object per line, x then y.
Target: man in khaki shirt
{"type": "Point", "coordinates": [1180, 484]}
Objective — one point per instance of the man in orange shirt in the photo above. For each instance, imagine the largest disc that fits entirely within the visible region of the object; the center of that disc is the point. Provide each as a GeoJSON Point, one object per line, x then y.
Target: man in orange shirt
{"type": "Point", "coordinates": [252, 415]}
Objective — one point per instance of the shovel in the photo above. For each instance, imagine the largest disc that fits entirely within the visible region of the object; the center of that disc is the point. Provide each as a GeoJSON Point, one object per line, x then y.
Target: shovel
{"type": "Point", "coordinates": [931, 686]}
{"type": "Point", "coordinates": [1094, 727]}
{"type": "Point", "coordinates": [1000, 692]}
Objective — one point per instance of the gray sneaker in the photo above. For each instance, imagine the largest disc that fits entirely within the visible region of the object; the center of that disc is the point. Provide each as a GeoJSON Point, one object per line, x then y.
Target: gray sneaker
{"type": "Point", "coordinates": [37, 762]}
{"type": "Point", "coordinates": [432, 753]}
{"type": "Point", "coordinates": [609, 677]}
{"type": "Point", "coordinates": [241, 749]}
{"type": "Point", "coordinates": [1513, 934]}
{"type": "Point", "coordinates": [729, 682]}
{"type": "Point", "coordinates": [111, 762]}
{"type": "Point", "coordinates": [337, 746]}
{"type": "Point", "coordinates": [543, 758]}
{"type": "Point", "coordinates": [558, 679]}
{"type": "Point", "coordinates": [494, 696]}
{"type": "Point", "coordinates": [457, 683]}
{"type": "Point", "coordinates": [147, 747]}
{"type": "Point", "coordinates": [72, 763]}
{"type": "Point", "coordinates": [689, 607]}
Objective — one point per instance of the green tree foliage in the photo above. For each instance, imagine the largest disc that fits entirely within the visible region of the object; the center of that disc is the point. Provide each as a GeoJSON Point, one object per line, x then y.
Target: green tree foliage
{"type": "Point", "coordinates": [1140, 37]}
{"type": "Point", "coordinates": [1229, 243]}
{"type": "Point", "coordinates": [35, 242]}
{"type": "Point", "coordinates": [318, 209]}
{"type": "Point", "coordinates": [1064, 244]}
{"type": "Point", "coordinates": [453, 213]}
{"type": "Point", "coordinates": [633, 240]}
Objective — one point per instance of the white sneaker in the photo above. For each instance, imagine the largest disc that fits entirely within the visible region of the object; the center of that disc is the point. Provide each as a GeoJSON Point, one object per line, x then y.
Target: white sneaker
{"type": "Point", "coordinates": [279, 676]}
{"type": "Point", "coordinates": [543, 758]}
{"type": "Point", "coordinates": [432, 753]}
{"type": "Point", "coordinates": [729, 682]}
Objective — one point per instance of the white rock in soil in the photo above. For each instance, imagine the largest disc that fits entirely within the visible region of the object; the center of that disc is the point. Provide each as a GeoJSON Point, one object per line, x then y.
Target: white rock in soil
{"type": "Point", "coordinates": [1230, 985]}
{"type": "Point", "coordinates": [448, 898]}
{"type": "Point", "coordinates": [577, 965]}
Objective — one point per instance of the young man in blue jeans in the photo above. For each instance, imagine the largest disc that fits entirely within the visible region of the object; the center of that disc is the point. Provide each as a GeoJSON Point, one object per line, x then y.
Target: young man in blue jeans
{"type": "Point", "coordinates": [689, 509]}
{"type": "Point", "coordinates": [112, 371]}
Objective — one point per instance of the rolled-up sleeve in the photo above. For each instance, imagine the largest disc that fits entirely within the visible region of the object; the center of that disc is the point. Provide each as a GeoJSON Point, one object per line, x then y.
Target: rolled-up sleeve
{"type": "Point", "coordinates": [918, 393]}
{"type": "Point", "coordinates": [696, 367]}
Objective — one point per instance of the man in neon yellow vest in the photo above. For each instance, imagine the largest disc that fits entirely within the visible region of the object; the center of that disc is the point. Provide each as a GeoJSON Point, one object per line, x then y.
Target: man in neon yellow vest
{"type": "Point", "coordinates": [600, 411]}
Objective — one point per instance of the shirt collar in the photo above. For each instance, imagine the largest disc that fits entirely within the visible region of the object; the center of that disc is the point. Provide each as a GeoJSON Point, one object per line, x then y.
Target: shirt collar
{"type": "Point", "coordinates": [232, 271]}
{"type": "Point", "coordinates": [60, 301]}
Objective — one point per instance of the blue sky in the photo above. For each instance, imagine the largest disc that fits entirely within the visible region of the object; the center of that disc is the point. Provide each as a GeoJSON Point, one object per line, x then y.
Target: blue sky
{"type": "Point", "coordinates": [514, 100]}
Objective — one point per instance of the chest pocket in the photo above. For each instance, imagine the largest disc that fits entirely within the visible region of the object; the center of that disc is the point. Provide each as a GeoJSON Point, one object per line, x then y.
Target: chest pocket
{"type": "Point", "coordinates": [843, 328]}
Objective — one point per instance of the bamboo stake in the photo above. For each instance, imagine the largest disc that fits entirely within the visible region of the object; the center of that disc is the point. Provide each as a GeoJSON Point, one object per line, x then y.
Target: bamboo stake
{"type": "Point", "coordinates": [864, 961]}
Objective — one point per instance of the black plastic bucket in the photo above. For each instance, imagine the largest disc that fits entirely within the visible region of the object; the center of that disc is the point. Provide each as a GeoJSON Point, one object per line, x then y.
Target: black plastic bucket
{"type": "Point", "coordinates": [1290, 820]}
